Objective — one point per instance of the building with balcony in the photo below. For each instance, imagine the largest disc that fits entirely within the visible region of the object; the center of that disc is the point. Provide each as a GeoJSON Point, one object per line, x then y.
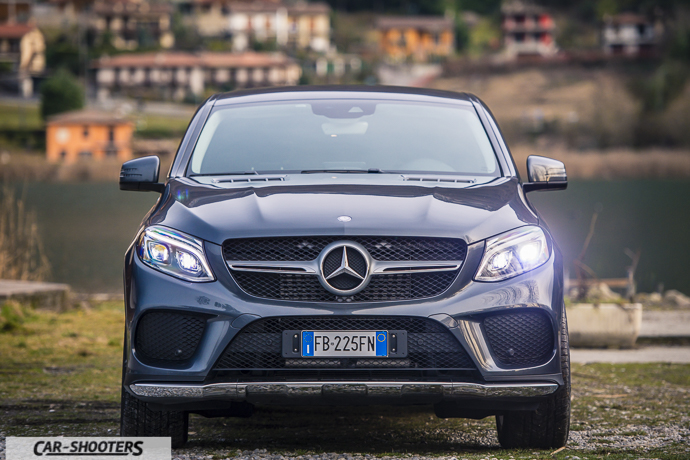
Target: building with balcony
{"type": "Point", "coordinates": [630, 35]}
{"type": "Point", "coordinates": [88, 135]}
{"type": "Point", "coordinates": [15, 11]}
{"type": "Point", "coordinates": [419, 38]}
{"type": "Point", "coordinates": [528, 30]}
{"type": "Point", "coordinates": [22, 55]}
{"type": "Point", "coordinates": [133, 23]}
{"type": "Point", "coordinates": [297, 25]}
{"type": "Point", "coordinates": [176, 75]}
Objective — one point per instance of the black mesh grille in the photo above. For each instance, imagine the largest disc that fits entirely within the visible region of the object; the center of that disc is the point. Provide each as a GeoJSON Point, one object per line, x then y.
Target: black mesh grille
{"type": "Point", "coordinates": [306, 288]}
{"type": "Point", "coordinates": [429, 345]}
{"type": "Point", "coordinates": [520, 338]}
{"type": "Point", "coordinates": [391, 248]}
{"type": "Point", "coordinates": [168, 336]}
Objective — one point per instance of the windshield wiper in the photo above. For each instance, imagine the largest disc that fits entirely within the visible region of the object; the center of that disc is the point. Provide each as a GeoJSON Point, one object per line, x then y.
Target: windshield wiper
{"type": "Point", "coordinates": [343, 171]}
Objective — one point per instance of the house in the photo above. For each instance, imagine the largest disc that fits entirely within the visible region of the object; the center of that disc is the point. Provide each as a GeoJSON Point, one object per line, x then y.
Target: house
{"type": "Point", "coordinates": [630, 34]}
{"type": "Point", "coordinates": [528, 30]}
{"type": "Point", "coordinates": [13, 11]}
{"type": "Point", "coordinates": [134, 23]}
{"type": "Point", "coordinates": [88, 134]}
{"type": "Point", "coordinates": [22, 54]}
{"type": "Point", "coordinates": [419, 38]}
{"type": "Point", "coordinates": [297, 25]}
{"type": "Point", "coordinates": [62, 13]}
{"type": "Point", "coordinates": [177, 74]}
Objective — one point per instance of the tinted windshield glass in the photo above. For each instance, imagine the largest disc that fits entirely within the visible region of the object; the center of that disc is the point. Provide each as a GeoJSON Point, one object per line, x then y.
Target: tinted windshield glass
{"type": "Point", "coordinates": [398, 136]}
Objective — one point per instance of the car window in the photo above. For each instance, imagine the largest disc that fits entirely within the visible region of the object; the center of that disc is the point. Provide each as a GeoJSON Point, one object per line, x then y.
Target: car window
{"type": "Point", "coordinates": [398, 136]}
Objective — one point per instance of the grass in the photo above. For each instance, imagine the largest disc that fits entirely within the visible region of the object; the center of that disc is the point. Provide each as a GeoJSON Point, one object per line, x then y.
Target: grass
{"type": "Point", "coordinates": [60, 375]}
{"type": "Point", "coordinates": [19, 116]}
{"type": "Point", "coordinates": [62, 356]}
{"type": "Point", "coordinates": [158, 126]}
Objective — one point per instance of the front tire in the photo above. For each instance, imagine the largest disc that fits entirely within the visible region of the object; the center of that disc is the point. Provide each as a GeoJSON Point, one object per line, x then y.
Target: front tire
{"type": "Point", "coordinates": [549, 425]}
{"type": "Point", "coordinates": [138, 419]}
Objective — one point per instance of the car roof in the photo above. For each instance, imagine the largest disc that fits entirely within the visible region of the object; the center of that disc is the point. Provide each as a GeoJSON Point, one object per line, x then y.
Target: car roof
{"type": "Point", "coordinates": [325, 91]}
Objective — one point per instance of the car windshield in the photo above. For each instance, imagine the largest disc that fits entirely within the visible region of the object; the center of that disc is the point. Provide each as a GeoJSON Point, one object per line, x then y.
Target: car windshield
{"type": "Point", "coordinates": [345, 135]}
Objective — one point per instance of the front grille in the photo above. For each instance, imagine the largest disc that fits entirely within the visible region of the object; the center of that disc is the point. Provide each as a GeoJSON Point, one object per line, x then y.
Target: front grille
{"type": "Point", "coordinates": [520, 339]}
{"type": "Point", "coordinates": [306, 288]}
{"type": "Point", "coordinates": [387, 248]}
{"type": "Point", "coordinates": [430, 346]}
{"type": "Point", "coordinates": [168, 336]}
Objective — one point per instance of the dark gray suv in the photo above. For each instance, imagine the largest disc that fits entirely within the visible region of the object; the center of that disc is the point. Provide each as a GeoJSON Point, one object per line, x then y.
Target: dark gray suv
{"type": "Point", "coordinates": [345, 245]}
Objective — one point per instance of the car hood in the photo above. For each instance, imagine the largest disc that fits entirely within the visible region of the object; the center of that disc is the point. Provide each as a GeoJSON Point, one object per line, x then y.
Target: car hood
{"type": "Point", "coordinates": [312, 206]}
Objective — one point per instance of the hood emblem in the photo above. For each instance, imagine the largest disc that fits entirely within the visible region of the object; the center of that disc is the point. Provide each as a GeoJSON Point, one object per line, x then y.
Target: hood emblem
{"type": "Point", "coordinates": [344, 268]}
{"type": "Point", "coordinates": [344, 218]}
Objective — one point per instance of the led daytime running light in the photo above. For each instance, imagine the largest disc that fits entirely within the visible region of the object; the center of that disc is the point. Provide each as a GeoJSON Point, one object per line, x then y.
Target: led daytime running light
{"type": "Point", "coordinates": [174, 253]}
{"type": "Point", "coordinates": [513, 253]}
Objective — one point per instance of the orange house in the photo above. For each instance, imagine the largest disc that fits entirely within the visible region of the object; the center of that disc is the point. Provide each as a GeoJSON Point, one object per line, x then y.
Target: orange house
{"type": "Point", "coordinates": [415, 37]}
{"type": "Point", "coordinates": [88, 134]}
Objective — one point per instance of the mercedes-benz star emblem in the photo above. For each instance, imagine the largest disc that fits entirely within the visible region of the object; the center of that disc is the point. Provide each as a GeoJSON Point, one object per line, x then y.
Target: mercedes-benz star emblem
{"type": "Point", "coordinates": [344, 268]}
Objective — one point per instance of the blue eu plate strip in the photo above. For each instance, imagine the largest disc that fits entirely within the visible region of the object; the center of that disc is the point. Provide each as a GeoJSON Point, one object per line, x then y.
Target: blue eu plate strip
{"type": "Point", "coordinates": [307, 343]}
{"type": "Point", "coordinates": [381, 343]}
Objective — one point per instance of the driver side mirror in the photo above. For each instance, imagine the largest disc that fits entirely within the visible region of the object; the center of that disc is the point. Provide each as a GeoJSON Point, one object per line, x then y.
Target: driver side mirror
{"type": "Point", "coordinates": [141, 175]}
{"type": "Point", "coordinates": [545, 174]}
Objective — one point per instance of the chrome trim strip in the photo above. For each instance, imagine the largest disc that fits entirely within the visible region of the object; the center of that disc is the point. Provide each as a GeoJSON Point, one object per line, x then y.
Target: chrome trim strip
{"type": "Point", "coordinates": [240, 391]}
{"type": "Point", "coordinates": [472, 332]}
{"type": "Point", "coordinates": [300, 268]}
{"type": "Point", "coordinates": [378, 267]}
{"type": "Point", "coordinates": [474, 336]}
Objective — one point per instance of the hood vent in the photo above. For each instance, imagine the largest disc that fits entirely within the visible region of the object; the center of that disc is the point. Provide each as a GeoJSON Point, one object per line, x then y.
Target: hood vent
{"type": "Point", "coordinates": [250, 179]}
{"type": "Point", "coordinates": [442, 179]}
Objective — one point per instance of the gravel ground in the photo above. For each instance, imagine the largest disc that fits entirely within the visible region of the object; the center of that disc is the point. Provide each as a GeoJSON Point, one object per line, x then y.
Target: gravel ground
{"type": "Point", "coordinates": [632, 411]}
{"type": "Point", "coordinates": [646, 438]}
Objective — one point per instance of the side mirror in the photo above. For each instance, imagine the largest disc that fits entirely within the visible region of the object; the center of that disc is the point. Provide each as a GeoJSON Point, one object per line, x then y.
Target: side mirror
{"type": "Point", "coordinates": [545, 174]}
{"type": "Point", "coordinates": [141, 175]}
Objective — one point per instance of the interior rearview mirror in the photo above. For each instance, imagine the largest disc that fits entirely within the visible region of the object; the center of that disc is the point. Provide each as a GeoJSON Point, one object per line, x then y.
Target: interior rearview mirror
{"type": "Point", "coordinates": [545, 174]}
{"type": "Point", "coordinates": [141, 174]}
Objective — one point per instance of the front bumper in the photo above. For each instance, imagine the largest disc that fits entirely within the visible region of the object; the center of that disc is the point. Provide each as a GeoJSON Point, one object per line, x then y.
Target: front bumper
{"type": "Point", "coordinates": [231, 310]}
{"type": "Point", "coordinates": [427, 392]}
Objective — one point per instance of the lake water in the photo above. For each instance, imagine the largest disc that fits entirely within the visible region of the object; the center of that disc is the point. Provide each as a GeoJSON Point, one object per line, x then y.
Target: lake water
{"type": "Point", "coordinates": [87, 227]}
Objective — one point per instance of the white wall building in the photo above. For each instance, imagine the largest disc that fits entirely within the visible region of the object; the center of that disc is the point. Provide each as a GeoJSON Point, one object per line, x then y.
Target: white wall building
{"type": "Point", "coordinates": [180, 74]}
{"type": "Point", "coordinates": [629, 34]}
{"type": "Point", "coordinates": [297, 25]}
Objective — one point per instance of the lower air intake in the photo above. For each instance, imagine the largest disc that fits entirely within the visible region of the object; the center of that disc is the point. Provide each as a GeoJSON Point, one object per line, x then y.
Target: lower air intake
{"type": "Point", "coordinates": [520, 339]}
{"type": "Point", "coordinates": [168, 336]}
{"type": "Point", "coordinates": [430, 345]}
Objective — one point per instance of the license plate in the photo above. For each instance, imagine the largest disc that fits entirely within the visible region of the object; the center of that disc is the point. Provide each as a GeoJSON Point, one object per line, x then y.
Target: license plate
{"type": "Point", "coordinates": [344, 344]}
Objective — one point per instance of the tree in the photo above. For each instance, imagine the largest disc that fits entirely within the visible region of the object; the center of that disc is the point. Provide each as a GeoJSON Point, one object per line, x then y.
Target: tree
{"type": "Point", "coordinates": [61, 93]}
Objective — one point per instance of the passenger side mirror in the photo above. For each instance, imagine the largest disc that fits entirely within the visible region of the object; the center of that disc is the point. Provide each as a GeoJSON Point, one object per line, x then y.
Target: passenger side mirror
{"type": "Point", "coordinates": [141, 175]}
{"type": "Point", "coordinates": [545, 174]}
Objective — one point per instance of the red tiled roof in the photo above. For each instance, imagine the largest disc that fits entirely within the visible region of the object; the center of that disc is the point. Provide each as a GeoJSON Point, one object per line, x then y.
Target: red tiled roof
{"type": "Point", "coordinates": [271, 7]}
{"type": "Point", "coordinates": [628, 18]}
{"type": "Point", "coordinates": [87, 117]}
{"type": "Point", "coordinates": [15, 30]}
{"type": "Point", "coordinates": [181, 59]}
{"type": "Point", "coordinates": [131, 7]}
{"type": "Point", "coordinates": [520, 7]}
{"type": "Point", "coordinates": [431, 23]}
{"type": "Point", "coordinates": [169, 59]}
{"type": "Point", "coordinates": [227, 2]}
{"type": "Point", "coordinates": [248, 59]}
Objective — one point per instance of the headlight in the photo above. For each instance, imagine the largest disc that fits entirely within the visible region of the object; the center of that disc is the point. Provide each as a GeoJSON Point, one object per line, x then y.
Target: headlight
{"type": "Point", "coordinates": [513, 253]}
{"type": "Point", "coordinates": [174, 253]}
